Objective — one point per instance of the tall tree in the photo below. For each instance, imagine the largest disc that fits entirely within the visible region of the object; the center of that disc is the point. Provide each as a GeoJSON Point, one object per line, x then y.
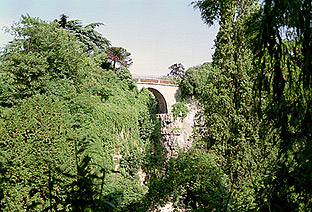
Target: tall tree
{"type": "Point", "coordinates": [29, 64]}
{"type": "Point", "coordinates": [282, 42]}
{"type": "Point", "coordinates": [62, 120]}
{"type": "Point", "coordinates": [177, 70]}
{"type": "Point", "coordinates": [41, 69]}
{"type": "Point", "coordinates": [93, 41]}
{"type": "Point", "coordinates": [118, 56]}
{"type": "Point", "coordinates": [231, 129]}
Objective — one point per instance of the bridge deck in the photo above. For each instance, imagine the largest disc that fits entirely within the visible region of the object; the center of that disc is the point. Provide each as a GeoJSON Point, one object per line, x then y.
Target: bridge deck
{"type": "Point", "coordinates": [154, 81]}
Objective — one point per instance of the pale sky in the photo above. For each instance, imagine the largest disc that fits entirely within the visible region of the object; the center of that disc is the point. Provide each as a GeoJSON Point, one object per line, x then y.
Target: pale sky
{"type": "Point", "coordinates": [157, 33]}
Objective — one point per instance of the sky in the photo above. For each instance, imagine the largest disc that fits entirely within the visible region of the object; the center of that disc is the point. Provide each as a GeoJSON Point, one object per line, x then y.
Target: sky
{"type": "Point", "coordinates": [157, 33]}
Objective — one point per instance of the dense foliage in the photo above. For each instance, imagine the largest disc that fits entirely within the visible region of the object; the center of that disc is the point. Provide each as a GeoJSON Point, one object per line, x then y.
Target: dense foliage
{"type": "Point", "coordinates": [179, 109]}
{"type": "Point", "coordinates": [193, 181]}
{"type": "Point", "coordinates": [77, 136]}
{"type": "Point", "coordinates": [256, 103]}
{"type": "Point", "coordinates": [73, 136]}
{"type": "Point", "coordinates": [282, 45]}
{"type": "Point", "coordinates": [228, 127]}
{"type": "Point", "coordinates": [94, 42]}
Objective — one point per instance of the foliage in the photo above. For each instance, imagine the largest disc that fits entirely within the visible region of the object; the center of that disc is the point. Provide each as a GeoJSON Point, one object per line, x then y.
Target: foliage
{"type": "Point", "coordinates": [235, 137]}
{"type": "Point", "coordinates": [257, 96]}
{"type": "Point", "coordinates": [177, 70]}
{"type": "Point", "coordinates": [124, 75]}
{"type": "Point", "coordinates": [179, 109]}
{"type": "Point", "coordinates": [31, 60]}
{"type": "Point", "coordinates": [74, 135]}
{"type": "Point", "coordinates": [211, 11]}
{"type": "Point", "coordinates": [94, 42]}
{"type": "Point", "coordinates": [63, 121]}
{"type": "Point", "coordinates": [118, 55]}
{"type": "Point", "coordinates": [194, 81]}
{"type": "Point", "coordinates": [281, 37]}
{"type": "Point", "coordinates": [193, 181]}
{"type": "Point", "coordinates": [35, 152]}
{"type": "Point", "coordinates": [228, 126]}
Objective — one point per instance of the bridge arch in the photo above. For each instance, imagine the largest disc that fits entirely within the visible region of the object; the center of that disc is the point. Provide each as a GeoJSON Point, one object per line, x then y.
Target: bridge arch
{"type": "Point", "coordinates": [165, 92]}
{"type": "Point", "coordinates": [162, 104]}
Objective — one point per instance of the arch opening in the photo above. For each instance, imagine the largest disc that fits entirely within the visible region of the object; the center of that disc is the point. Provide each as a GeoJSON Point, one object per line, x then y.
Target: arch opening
{"type": "Point", "coordinates": [162, 104]}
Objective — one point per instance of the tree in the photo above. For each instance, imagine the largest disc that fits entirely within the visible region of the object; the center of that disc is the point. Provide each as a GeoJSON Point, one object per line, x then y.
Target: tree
{"type": "Point", "coordinates": [193, 180]}
{"type": "Point", "coordinates": [194, 80]}
{"type": "Point", "coordinates": [118, 56]}
{"type": "Point", "coordinates": [62, 121]}
{"type": "Point", "coordinates": [230, 129]}
{"type": "Point", "coordinates": [177, 70]}
{"type": "Point", "coordinates": [94, 42]}
{"type": "Point", "coordinates": [281, 37]}
{"type": "Point", "coordinates": [29, 67]}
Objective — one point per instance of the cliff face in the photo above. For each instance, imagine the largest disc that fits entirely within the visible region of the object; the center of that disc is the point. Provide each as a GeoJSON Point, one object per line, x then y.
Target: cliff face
{"type": "Point", "coordinates": [177, 133]}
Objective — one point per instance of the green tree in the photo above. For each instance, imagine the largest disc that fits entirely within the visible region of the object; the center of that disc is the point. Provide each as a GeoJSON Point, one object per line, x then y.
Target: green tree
{"type": "Point", "coordinates": [230, 128]}
{"type": "Point", "coordinates": [32, 61]}
{"type": "Point", "coordinates": [42, 69]}
{"type": "Point", "coordinates": [94, 42]}
{"type": "Point", "coordinates": [35, 153]}
{"type": "Point", "coordinates": [63, 119]}
{"type": "Point", "coordinates": [192, 181]}
{"type": "Point", "coordinates": [195, 79]}
{"type": "Point", "coordinates": [118, 56]}
{"type": "Point", "coordinates": [281, 37]}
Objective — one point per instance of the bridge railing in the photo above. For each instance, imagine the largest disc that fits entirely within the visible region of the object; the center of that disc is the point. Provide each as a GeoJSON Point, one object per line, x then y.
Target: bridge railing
{"type": "Point", "coordinates": [155, 81]}
{"type": "Point", "coordinates": [140, 76]}
{"type": "Point", "coordinates": [152, 80]}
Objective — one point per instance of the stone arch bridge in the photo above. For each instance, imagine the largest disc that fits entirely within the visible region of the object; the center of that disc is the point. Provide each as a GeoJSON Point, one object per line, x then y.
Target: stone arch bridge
{"type": "Point", "coordinates": [166, 92]}
{"type": "Point", "coordinates": [176, 133]}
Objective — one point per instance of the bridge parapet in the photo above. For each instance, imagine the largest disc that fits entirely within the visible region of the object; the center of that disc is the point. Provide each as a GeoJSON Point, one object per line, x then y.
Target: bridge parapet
{"type": "Point", "coordinates": [140, 76]}
{"type": "Point", "coordinates": [148, 79]}
{"type": "Point", "coordinates": [165, 91]}
{"type": "Point", "coordinates": [155, 81]}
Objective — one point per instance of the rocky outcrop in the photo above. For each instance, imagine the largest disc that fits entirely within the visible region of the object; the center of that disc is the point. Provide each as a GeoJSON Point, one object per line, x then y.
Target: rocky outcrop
{"type": "Point", "coordinates": [177, 133]}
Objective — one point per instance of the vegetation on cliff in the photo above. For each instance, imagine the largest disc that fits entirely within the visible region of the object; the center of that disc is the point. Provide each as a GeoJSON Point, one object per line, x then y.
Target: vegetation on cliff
{"type": "Point", "coordinates": [256, 99]}
{"type": "Point", "coordinates": [66, 124]}
{"type": "Point", "coordinates": [77, 135]}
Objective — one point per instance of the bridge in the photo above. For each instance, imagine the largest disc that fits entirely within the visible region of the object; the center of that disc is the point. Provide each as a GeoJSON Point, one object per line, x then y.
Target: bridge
{"type": "Point", "coordinates": [166, 92]}
{"type": "Point", "coordinates": [176, 133]}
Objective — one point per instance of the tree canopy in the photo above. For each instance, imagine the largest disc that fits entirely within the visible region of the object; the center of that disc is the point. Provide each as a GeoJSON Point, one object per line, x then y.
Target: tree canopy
{"type": "Point", "coordinates": [77, 135]}
{"type": "Point", "coordinates": [118, 56]}
{"type": "Point", "coordinates": [177, 70]}
{"type": "Point", "coordinates": [93, 41]}
{"type": "Point", "coordinates": [282, 47]}
{"type": "Point", "coordinates": [73, 136]}
{"type": "Point", "coordinates": [256, 102]}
